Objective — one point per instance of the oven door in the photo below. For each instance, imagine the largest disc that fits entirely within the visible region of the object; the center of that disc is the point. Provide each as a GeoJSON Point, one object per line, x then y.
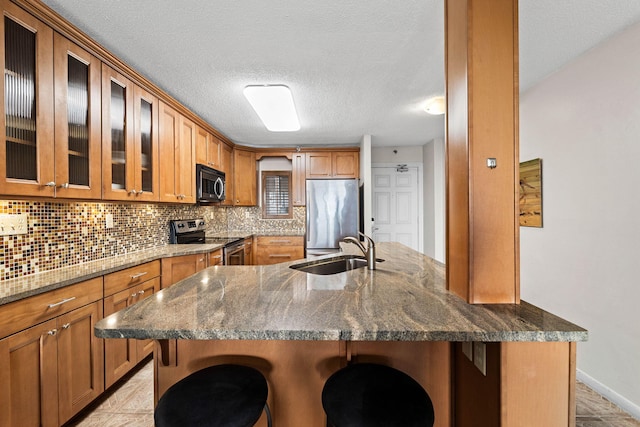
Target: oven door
{"type": "Point", "coordinates": [234, 255]}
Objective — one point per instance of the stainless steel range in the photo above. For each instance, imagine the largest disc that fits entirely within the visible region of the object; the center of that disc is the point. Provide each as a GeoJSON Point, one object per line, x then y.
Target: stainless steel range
{"type": "Point", "coordinates": [192, 231]}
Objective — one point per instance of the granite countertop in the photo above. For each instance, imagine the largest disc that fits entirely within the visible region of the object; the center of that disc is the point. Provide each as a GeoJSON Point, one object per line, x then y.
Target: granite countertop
{"type": "Point", "coordinates": [23, 287]}
{"type": "Point", "coordinates": [405, 299]}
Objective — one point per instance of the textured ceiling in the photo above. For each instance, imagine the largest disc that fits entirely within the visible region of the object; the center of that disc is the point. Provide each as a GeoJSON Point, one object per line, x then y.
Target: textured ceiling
{"type": "Point", "coordinates": [355, 67]}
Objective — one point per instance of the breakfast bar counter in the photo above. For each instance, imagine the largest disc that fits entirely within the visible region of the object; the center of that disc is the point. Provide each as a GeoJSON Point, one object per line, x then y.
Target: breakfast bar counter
{"type": "Point", "coordinates": [298, 328]}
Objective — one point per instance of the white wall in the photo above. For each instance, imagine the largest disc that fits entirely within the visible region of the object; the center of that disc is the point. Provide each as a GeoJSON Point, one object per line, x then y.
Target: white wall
{"type": "Point", "coordinates": [584, 265]}
{"type": "Point", "coordinates": [434, 199]}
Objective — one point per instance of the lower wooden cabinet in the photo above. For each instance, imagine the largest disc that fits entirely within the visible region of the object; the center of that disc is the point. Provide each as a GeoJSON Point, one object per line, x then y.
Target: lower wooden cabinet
{"type": "Point", "coordinates": [52, 370]}
{"type": "Point", "coordinates": [121, 355]}
{"type": "Point", "coordinates": [248, 251]}
{"type": "Point", "coordinates": [180, 267]}
{"type": "Point", "coordinates": [215, 258]}
{"type": "Point", "coordinates": [276, 249]}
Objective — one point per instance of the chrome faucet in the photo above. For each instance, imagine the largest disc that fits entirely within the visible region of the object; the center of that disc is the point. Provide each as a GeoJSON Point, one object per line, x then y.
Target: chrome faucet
{"type": "Point", "coordinates": [369, 252]}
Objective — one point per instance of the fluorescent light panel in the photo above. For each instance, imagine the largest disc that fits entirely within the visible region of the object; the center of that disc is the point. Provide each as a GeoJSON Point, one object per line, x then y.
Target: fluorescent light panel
{"type": "Point", "coordinates": [274, 105]}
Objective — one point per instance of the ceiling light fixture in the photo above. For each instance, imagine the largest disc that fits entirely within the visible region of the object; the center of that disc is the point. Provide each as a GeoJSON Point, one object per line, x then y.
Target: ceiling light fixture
{"type": "Point", "coordinates": [435, 105]}
{"type": "Point", "coordinates": [274, 105]}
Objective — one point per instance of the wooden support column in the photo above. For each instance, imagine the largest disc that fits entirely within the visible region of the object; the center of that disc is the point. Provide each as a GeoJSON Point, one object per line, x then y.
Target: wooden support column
{"type": "Point", "coordinates": [481, 73]}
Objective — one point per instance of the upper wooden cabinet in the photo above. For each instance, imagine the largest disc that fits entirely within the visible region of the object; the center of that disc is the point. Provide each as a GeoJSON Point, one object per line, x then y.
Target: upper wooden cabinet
{"type": "Point", "coordinates": [298, 178]}
{"type": "Point", "coordinates": [39, 158]}
{"type": "Point", "coordinates": [207, 149]}
{"type": "Point", "coordinates": [177, 139]}
{"type": "Point", "coordinates": [244, 178]}
{"type": "Point", "coordinates": [129, 140]}
{"type": "Point", "coordinates": [332, 164]}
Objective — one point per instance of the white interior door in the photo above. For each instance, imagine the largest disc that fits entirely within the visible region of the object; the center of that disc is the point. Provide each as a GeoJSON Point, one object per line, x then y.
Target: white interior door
{"type": "Point", "coordinates": [396, 209]}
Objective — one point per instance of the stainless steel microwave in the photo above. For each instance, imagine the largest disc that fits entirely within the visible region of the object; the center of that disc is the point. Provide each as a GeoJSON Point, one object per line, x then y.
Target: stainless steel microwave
{"type": "Point", "coordinates": [210, 184]}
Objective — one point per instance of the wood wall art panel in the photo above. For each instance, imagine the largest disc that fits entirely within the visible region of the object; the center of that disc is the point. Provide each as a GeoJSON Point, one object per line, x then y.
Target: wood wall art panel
{"type": "Point", "coordinates": [531, 193]}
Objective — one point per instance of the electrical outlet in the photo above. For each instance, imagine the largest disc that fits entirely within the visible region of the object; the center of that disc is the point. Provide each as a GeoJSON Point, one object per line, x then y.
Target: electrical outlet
{"type": "Point", "coordinates": [109, 221]}
{"type": "Point", "coordinates": [12, 224]}
{"type": "Point", "coordinates": [467, 349]}
{"type": "Point", "coordinates": [480, 357]}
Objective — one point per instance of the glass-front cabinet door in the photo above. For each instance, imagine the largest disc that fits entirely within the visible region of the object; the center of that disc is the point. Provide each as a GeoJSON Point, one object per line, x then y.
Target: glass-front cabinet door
{"type": "Point", "coordinates": [27, 153]}
{"type": "Point", "coordinates": [117, 136]}
{"type": "Point", "coordinates": [146, 184]}
{"type": "Point", "coordinates": [77, 121]}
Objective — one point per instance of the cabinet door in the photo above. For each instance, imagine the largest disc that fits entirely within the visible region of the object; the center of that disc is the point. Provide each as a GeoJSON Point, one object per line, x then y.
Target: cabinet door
{"type": "Point", "coordinates": [215, 258]}
{"type": "Point", "coordinates": [28, 378]}
{"type": "Point", "coordinates": [226, 165]}
{"type": "Point", "coordinates": [77, 121]}
{"type": "Point", "coordinates": [299, 177]}
{"type": "Point", "coordinates": [244, 177]}
{"type": "Point", "coordinates": [144, 291]}
{"type": "Point", "coordinates": [178, 268]}
{"type": "Point", "coordinates": [117, 136]}
{"type": "Point", "coordinates": [145, 167]}
{"type": "Point", "coordinates": [169, 128]}
{"type": "Point", "coordinates": [202, 142]}
{"type": "Point", "coordinates": [186, 162]}
{"type": "Point", "coordinates": [318, 165]}
{"type": "Point", "coordinates": [26, 105]}
{"type": "Point", "coordinates": [213, 152]}
{"type": "Point", "coordinates": [80, 360]}
{"type": "Point", "coordinates": [119, 354]}
{"type": "Point", "coordinates": [345, 164]}
{"type": "Point", "coordinates": [248, 251]}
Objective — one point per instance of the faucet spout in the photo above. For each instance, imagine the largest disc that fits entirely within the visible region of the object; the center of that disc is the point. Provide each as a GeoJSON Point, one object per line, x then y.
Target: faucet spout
{"type": "Point", "coordinates": [369, 252]}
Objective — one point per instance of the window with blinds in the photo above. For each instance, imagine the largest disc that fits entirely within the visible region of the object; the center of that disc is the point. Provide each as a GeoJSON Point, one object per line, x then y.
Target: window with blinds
{"type": "Point", "coordinates": [276, 195]}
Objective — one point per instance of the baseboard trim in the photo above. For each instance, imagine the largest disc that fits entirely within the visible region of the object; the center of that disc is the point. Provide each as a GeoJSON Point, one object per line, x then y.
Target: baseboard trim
{"type": "Point", "coordinates": [619, 400]}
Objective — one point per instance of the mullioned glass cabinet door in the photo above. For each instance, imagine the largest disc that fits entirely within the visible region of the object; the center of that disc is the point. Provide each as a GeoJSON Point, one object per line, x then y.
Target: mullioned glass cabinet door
{"type": "Point", "coordinates": [27, 152]}
{"type": "Point", "coordinates": [77, 114]}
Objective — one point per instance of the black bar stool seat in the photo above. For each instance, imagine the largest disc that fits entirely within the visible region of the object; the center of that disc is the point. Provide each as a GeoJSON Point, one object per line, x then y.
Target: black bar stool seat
{"type": "Point", "coordinates": [217, 396]}
{"type": "Point", "coordinates": [372, 395]}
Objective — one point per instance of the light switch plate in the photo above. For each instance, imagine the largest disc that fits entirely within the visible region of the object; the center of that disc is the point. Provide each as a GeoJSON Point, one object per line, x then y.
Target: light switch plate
{"type": "Point", "coordinates": [12, 224]}
{"type": "Point", "coordinates": [480, 357]}
{"type": "Point", "coordinates": [467, 349]}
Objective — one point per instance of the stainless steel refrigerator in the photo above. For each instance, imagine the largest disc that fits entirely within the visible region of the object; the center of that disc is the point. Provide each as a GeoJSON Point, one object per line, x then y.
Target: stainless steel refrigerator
{"type": "Point", "coordinates": [332, 213]}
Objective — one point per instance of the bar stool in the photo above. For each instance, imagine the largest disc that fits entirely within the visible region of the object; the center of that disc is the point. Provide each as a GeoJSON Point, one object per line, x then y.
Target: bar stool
{"type": "Point", "coordinates": [217, 396]}
{"type": "Point", "coordinates": [372, 395]}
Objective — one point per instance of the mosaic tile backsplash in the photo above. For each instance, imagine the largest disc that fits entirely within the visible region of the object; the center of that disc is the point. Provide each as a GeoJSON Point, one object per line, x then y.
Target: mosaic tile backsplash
{"type": "Point", "coordinates": [61, 234]}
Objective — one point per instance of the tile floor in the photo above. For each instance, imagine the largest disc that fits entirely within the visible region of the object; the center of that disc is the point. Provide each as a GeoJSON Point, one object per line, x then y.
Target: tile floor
{"type": "Point", "coordinates": [130, 404]}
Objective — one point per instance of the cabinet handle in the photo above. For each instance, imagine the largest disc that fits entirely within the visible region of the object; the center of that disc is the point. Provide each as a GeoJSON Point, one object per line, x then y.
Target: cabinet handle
{"type": "Point", "coordinates": [141, 292]}
{"type": "Point", "coordinates": [50, 184]}
{"type": "Point", "coordinates": [134, 192]}
{"type": "Point", "coordinates": [61, 302]}
{"type": "Point", "coordinates": [279, 241]}
{"type": "Point", "coordinates": [66, 326]}
{"type": "Point", "coordinates": [52, 332]}
{"type": "Point", "coordinates": [280, 256]}
{"type": "Point", "coordinates": [133, 295]}
{"type": "Point", "coordinates": [217, 257]}
{"type": "Point", "coordinates": [201, 260]}
{"type": "Point", "coordinates": [65, 185]}
{"type": "Point", "coordinates": [139, 275]}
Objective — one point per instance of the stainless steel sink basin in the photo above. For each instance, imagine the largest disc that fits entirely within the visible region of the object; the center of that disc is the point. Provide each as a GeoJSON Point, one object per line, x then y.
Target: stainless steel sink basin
{"type": "Point", "coordinates": [334, 265]}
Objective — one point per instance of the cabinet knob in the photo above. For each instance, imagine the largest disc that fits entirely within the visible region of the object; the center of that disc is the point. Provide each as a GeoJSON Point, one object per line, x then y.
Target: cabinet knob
{"type": "Point", "coordinates": [133, 295]}
{"type": "Point", "coordinates": [141, 292]}
{"type": "Point", "coordinates": [65, 185]}
{"type": "Point", "coordinates": [66, 326]}
{"type": "Point", "coordinates": [52, 332]}
{"type": "Point", "coordinates": [50, 184]}
{"type": "Point", "coordinates": [134, 192]}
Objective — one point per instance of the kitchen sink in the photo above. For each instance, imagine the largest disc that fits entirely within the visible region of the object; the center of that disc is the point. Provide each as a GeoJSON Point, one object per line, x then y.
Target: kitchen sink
{"type": "Point", "coordinates": [334, 265]}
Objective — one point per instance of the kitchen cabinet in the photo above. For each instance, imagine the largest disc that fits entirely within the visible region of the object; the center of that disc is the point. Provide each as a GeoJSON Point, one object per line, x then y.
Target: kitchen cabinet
{"type": "Point", "coordinates": [129, 140]}
{"type": "Point", "coordinates": [215, 258]}
{"type": "Point", "coordinates": [177, 138]}
{"type": "Point", "coordinates": [51, 363]}
{"type": "Point", "coordinates": [248, 251]}
{"type": "Point", "coordinates": [177, 268]}
{"type": "Point", "coordinates": [299, 179]}
{"type": "Point", "coordinates": [207, 149]}
{"type": "Point", "coordinates": [226, 165]}
{"type": "Point", "coordinates": [244, 178]}
{"type": "Point", "coordinates": [52, 125]}
{"type": "Point", "coordinates": [123, 289]}
{"type": "Point", "coordinates": [276, 249]}
{"type": "Point", "coordinates": [332, 164]}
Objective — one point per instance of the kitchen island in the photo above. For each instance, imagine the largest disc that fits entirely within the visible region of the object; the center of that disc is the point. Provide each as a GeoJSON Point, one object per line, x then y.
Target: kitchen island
{"type": "Point", "coordinates": [298, 328]}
